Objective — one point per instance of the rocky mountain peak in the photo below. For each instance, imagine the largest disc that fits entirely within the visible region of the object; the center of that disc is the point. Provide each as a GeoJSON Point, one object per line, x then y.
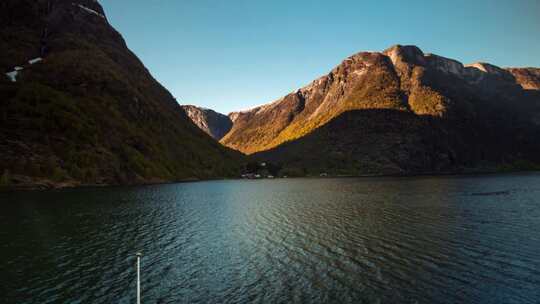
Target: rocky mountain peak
{"type": "Point", "coordinates": [213, 123]}
{"type": "Point", "coordinates": [410, 54]}
{"type": "Point", "coordinates": [233, 116]}
{"type": "Point", "coordinates": [490, 69]}
{"type": "Point", "coordinates": [407, 57]}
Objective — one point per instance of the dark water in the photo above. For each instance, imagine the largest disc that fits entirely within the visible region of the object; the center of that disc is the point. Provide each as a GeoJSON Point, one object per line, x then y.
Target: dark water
{"type": "Point", "coordinates": [367, 240]}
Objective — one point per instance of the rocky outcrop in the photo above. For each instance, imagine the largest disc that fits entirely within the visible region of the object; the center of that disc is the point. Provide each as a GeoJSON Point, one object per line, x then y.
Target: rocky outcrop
{"type": "Point", "coordinates": [528, 78]}
{"type": "Point", "coordinates": [213, 123]}
{"type": "Point", "coordinates": [83, 109]}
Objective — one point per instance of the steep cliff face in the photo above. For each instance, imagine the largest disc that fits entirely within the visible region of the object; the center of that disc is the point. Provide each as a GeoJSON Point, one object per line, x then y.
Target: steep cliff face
{"type": "Point", "coordinates": [528, 78]}
{"type": "Point", "coordinates": [211, 122]}
{"type": "Point", "coordinates": [78, 106]}
{"type": "Point", "coordinates": [458, 115]}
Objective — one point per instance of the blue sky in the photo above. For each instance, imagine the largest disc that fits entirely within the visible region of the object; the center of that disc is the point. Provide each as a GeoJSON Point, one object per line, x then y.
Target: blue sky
{"type": "Point", "coordinates": [233, 54]}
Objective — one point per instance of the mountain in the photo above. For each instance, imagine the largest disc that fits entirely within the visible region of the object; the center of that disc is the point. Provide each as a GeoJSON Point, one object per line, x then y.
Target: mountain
{"type": "Point", "coordinates": [399, 111]}
{"type": "Point", "coordinates": [213, 123]}
{"type": "Point", "coordinates": [528, 78]}
{"type": "Point", "coordinates": [78, 107]}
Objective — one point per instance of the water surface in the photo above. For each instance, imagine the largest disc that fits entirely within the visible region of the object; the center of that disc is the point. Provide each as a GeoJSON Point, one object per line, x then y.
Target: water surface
{"type": "Point", "coordinates": [350, 240]}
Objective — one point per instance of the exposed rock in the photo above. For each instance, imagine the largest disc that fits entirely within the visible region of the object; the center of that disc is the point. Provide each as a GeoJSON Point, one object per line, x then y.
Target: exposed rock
{"type": "Point", "coordinates": [213, 123]}
{"type": "Point", "coordinates": [528, 78]}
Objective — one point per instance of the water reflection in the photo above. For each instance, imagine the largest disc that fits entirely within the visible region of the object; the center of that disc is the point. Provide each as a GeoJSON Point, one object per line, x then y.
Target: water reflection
{"type": "Point", "coordinates": [412, 240]}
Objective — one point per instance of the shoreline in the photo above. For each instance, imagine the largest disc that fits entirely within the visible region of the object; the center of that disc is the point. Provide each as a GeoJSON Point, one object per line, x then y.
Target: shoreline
{"type": "Point", "coordinates": [51, 186]}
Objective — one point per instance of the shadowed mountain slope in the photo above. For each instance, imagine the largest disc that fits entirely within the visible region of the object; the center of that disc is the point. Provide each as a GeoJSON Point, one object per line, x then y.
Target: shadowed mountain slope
{"type": "Point", "coordinates": [211, 122]}
{"type": "Point", "coordinates": [383, 141]}
{"type": "Point", "coordinates": [77, 106]}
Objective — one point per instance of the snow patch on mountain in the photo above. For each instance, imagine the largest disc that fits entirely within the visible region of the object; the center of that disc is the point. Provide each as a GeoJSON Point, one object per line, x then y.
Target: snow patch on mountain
{"type": "Point", "coordinates": [89, 10]}
{"type": "Point", "coordinates": [12, 75]}
{"type": "Point", "coordinates": [35, 60]}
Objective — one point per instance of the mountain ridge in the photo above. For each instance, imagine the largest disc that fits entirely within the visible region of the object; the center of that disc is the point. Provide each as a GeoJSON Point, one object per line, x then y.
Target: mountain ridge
{"type": "Point", "coordinates": [400, 57]}
{"type": "Point", "coordinates": [464, 104]}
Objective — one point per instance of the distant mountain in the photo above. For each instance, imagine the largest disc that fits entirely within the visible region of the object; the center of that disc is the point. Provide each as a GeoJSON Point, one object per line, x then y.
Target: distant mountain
{"type": "Point", "coordinates": [78, 107]}
{"type": "Point", "coordinates": [399, 111]}
{"type": "Point", "coordinates": [213, 123]}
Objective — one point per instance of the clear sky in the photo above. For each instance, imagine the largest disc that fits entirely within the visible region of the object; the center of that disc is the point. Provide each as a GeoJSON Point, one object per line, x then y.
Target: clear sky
{"type": "Point", "coordinates": [234, 54]}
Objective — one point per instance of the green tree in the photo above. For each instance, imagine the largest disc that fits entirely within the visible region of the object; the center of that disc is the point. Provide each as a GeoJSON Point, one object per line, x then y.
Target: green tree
{"type": "Point", "coordinates": [59, 175]}
{"type": "Point", "coordinates": [5, 180]}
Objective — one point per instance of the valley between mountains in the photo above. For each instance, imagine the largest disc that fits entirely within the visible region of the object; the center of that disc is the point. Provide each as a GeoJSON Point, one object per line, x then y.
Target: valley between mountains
{"type": "Point", "coordinates": [77, 108]}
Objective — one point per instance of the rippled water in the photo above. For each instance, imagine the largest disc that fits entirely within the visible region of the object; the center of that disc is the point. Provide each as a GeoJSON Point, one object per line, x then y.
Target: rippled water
{"type": "Point", "coordinates": [365, 240]}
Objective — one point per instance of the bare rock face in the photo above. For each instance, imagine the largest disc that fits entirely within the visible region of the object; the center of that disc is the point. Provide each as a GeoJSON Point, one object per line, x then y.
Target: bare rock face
{"type": "Point", "coordinates": [443, 99]}
{"type": "Point", "coordinates": [78, 106]}
{"type": "Point", "coordinates": [528, 78]}
{"type": "Point", "coordinates": [213, 123]}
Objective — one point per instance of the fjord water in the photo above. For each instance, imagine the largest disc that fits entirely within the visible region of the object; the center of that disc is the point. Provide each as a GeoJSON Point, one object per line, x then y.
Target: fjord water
{"type": "Point", "coordinates": [350, 240]}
